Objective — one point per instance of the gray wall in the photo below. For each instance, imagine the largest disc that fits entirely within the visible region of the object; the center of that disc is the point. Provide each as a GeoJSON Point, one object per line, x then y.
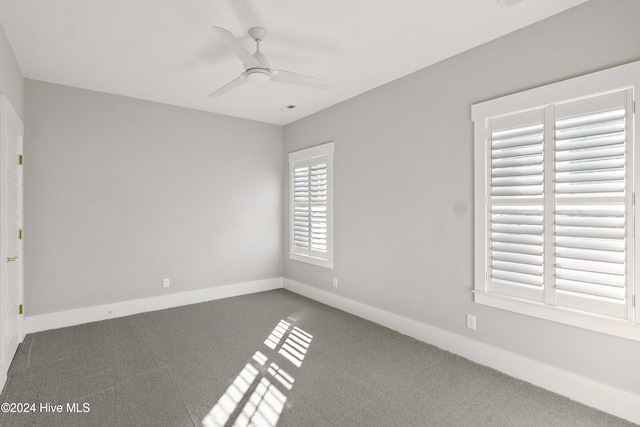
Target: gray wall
{"type": "Point", "coordinates": [120, 193]}
{"type": "Point", "coordinates": [404, 186]}
{"type": "Point", "coordinates": [11, 81]}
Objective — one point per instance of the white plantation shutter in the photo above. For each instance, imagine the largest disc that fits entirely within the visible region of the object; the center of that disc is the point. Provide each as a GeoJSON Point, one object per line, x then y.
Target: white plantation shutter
{"type": "Point", "coordinates": [301, 217]}
{"type": "Point", "coordinates": [558, 204]}
{"type": "Point", "coordinates": [563, 241]}
{"type": "Point", "coordinates": [311, 205]}
{"type": "Point", "coordinates": [318, 205]}
{"type": "Point", "coordinates": [593, 204]}
{"type": "Point", "coordinates": [516, 231]}
{"type": "Point", "coordinates": [555, 202]}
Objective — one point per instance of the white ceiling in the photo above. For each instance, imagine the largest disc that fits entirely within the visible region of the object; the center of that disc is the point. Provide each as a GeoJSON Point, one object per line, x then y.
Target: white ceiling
{"type": "Point", "coordinates": [166, 51]}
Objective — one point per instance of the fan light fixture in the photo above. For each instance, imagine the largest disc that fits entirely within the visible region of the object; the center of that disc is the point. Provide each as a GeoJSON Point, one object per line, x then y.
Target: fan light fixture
{"type": "Point", "coordinates": [259, 75]}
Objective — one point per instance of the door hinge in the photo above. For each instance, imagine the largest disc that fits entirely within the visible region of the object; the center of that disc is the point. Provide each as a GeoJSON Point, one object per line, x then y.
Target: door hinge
{"type": "Point", "coordinates": [20, 309]}
{"type": "Point", "coordinates": [20, 234]}
{"type": "Point", "coordinates": [20, 159]}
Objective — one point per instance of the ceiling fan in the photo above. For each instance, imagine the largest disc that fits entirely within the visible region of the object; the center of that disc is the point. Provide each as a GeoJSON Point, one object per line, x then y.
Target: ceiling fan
{"type": "Point", "coordinates": [257, 67]}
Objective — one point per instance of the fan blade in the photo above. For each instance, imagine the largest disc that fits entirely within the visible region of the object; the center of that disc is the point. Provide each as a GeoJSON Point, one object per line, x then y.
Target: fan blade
{"type": "Point", "coordinates": [230, 86]}
{"type": "Point", "coordinates": [245, 56]}
{"type": "Point", "coordinates": [282, 76]}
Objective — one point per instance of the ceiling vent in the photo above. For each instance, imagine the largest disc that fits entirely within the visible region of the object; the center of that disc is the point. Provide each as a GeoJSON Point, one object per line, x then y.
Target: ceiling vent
{"type": "Point", "coordinates": [288, 108]}
{"type": "Point", "coordinates": [507, 3]}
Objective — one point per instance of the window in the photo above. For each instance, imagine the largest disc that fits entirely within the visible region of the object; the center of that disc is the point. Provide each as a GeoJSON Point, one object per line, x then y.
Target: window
{"type": "Point", "coordinates": [554, 202]}
{"type": "Point", "coordinates": [311, 205]}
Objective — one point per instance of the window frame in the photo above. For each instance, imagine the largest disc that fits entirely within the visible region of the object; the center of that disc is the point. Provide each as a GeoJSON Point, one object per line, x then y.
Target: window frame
{"type": "Point", "coordinates": [618, 78]}
{"type": "Point", "coordinates": [308, 154]}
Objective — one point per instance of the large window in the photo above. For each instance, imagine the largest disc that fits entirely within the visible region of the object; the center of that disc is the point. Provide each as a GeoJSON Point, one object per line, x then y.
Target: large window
{"type": "Point", "coordinates": [311, 205]}
{"type": "Point", "coordinates": [554, 203]}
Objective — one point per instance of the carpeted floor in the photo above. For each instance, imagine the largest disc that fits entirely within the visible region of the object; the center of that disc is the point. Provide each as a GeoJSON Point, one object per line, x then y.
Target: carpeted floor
{"type": "Point", "coordinates": [272, 358]}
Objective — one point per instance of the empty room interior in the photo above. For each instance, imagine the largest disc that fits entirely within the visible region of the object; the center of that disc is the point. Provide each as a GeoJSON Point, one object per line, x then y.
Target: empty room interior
{"type": "Point", "coordinates": [412, 213]}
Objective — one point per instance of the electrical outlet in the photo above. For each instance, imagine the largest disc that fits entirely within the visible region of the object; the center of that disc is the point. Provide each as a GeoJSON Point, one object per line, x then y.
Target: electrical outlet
{"type": "Point", "coordinates": [335, 282]}
{"type": "Point", "coordinates": [471, 321]}
{"type": "Point", "coordinates": [166, 283]}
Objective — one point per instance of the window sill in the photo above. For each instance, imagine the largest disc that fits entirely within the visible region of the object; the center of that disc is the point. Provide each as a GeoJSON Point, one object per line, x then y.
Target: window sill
{"type": "Point", "coordinates": [619, 328]}
{"type": "Point", "coordinates": [311, 260]}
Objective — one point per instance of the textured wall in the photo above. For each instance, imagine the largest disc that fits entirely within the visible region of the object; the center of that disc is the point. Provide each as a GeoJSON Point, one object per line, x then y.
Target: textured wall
{"type": "Point", "coordinates": [404, 186]}
{"type": "Point", "coordinates": [120, 193]}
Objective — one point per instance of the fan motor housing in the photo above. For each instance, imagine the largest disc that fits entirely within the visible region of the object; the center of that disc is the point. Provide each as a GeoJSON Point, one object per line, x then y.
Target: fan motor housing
{"type": "Point", "coordinates": [258, 74]}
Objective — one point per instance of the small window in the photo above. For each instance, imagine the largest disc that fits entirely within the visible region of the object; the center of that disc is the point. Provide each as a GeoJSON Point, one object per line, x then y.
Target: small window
{"type": "Point", "coordinates": [311, 205]}
{"type": "Point", "coordinates": [554, 203]}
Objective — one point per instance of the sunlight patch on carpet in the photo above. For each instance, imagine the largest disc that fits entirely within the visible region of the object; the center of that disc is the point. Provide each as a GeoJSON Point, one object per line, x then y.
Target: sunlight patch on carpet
{"type": "Point", "coordinates": [257, 395]}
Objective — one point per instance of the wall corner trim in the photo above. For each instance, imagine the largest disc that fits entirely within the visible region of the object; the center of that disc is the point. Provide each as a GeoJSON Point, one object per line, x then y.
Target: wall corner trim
{"type": "Point", "coordinates": [584, 390]}
{"type": "Point", "coordinates": [78, 316]}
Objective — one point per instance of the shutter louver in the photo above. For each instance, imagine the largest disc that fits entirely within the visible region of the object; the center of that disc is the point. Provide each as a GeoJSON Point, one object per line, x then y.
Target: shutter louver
{"type": "Point", "coordinates": [590, 184]}
{"type": "Point", "coordinates": [516, 208]}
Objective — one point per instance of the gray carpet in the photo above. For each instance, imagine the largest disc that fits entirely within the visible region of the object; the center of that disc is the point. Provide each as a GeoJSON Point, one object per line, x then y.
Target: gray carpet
{"type": "Point", "coordinates": [272, 358]}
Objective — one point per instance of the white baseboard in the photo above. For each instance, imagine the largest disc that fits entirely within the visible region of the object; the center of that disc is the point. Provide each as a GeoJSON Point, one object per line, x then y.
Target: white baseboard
{"type": "Point", "coordinates": [584, 390]}
{"type": "Point", "coordinates": [78, 316]}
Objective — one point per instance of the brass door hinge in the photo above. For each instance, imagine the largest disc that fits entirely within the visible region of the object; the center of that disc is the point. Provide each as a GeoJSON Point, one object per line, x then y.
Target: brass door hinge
{"type": "Point", "coordinates": [20, 309]}
{"type": "Point", "coordinates": [20, 234]}
{"type": "Point", "coordinates": [20, 159]}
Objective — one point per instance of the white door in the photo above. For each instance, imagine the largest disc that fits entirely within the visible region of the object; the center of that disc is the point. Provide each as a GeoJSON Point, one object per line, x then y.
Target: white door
{"type": "Point", "coordinates": [11, 134]}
